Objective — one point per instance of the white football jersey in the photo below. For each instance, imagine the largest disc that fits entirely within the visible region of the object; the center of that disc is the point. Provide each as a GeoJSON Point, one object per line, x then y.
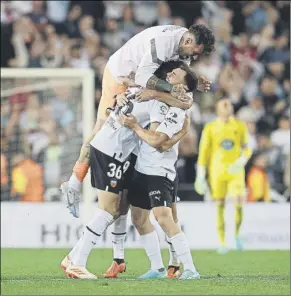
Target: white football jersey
{"type": "Point", "coordinates": [118, 141]}
{"type": "Point", "coordinates": [144, 52]}
{"type": "Point", "coordinates": [152, 162]}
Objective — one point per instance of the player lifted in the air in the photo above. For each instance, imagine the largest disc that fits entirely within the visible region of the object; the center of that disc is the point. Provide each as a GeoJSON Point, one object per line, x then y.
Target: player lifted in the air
{"type": "Point", "coordinates": [223, 154]}
{"type": "Point", "coordinates": [111, 158]}
{"type": "Point", "coordinates": [141, 55]}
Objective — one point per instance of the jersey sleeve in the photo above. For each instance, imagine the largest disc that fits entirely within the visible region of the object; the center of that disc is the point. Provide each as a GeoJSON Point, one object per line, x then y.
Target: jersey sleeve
{"type": "Point", "coordinates": [159, 50]}
{"type": "Point", "coordinates": [205, 146]}
{"type": "Point", "coordinates": [173, 122]}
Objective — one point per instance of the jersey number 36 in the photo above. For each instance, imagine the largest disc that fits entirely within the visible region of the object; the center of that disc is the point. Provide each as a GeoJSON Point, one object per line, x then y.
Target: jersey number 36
{"type": "Point", "coordinates": [117, 171]}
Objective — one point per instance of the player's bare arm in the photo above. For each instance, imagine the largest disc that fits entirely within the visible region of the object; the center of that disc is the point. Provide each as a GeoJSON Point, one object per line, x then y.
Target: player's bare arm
{"type": "Point", "coordinates": [177, 137]}
{"type": "Point", "coordinates": [151, 137]}
{"type": "Point", "coordinates": [184, 102]}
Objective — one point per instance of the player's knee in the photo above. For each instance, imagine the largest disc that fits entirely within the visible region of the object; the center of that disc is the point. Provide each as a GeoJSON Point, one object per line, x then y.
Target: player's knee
{"type": "Point", "coordinates": [141, 223]}
{"type": "Point", "coordinates": [163, 215]}
{"type": "Point", "coordinates": [109, 204]}
{"type": "Point", "coordinates": [238, 202]}
{"type": "Point", "coordinates": [220, 202]}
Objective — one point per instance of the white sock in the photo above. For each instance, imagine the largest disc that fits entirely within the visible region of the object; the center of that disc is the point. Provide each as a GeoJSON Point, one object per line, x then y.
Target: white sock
{"type": "Point", "coordinates": [75, 183]}
{"type": "Point", "coordinates": [173, 258]}
{"type": "Point", "coordinates": [118, 236]}
{"type": "Point", "coordinates": [151, 244]}
{"type": "Point", "coordinates": [180, 244]}
{"type": "Point", "coordinates": [76, 247]}
{"type": "Point", "coordinates": [92, 234]}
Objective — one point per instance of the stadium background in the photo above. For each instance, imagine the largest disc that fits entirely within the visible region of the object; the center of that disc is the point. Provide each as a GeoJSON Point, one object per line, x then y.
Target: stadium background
{"type": "Point", "coordinates": [251, 66]}
{"type": "Point", "coordinates": [42, 124]}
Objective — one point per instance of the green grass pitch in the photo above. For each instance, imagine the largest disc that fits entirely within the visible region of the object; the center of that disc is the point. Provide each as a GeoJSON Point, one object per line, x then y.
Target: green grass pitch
{"type": "Point", "coordinates": [38, 272]}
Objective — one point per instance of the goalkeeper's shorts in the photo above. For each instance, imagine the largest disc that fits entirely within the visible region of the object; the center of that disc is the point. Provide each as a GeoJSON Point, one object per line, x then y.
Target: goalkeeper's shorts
{"type": "Point", "coordinates": [226, 184]}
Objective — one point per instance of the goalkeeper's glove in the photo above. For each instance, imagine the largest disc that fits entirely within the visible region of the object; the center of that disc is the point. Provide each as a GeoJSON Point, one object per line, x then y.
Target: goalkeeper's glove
{"type": "Point", "coordinates": [200, 184]}
{"type": "Point", "coordinates": [238, 165]}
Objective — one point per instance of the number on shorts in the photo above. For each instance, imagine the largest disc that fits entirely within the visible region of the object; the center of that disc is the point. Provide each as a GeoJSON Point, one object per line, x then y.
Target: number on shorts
{"type": "Point", "coordinates": [116, 171]}
{"type": "Point", "coordinates": [126, 166]}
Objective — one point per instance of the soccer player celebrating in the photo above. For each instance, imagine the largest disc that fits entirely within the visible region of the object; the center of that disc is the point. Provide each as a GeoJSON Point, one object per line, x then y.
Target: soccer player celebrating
{"type": "Point", "coordinates": [224, 151]}
{"type": "Point", "coordinates": [110, 160]}
{"type": "Point", "coordinates": [154, 187]}
{"type": "Point", "coordinates": [141, 55]}
{"type": "Point", "coordinates": [156, 163]}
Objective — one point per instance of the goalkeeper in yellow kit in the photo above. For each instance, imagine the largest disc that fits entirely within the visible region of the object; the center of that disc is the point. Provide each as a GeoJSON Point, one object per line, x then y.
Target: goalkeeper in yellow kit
{"type": "Point", "coordinates": [224, 152]}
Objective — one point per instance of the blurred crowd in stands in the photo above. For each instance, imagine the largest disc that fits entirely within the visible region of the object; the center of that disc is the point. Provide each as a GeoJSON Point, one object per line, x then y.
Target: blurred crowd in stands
{"type": "Point", "coordinates": [251, 66]}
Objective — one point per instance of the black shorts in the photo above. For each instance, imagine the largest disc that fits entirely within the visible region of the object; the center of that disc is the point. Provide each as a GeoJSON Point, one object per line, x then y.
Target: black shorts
{"type": "Point", "coordinates": [128, 176]}
{"type": "Point", "coordinates": [108, 173]}
{"type": "Point", "coordinates": [147, 192]}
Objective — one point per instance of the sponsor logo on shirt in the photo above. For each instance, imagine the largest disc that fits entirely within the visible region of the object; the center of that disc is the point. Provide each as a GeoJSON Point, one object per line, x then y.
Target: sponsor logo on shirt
{"type": "Point", "coordinates": [111, 122]}
{"type": "Point", "coordinates": [154, 192]}
{"type": "Point", "coordinates": [227, 144]}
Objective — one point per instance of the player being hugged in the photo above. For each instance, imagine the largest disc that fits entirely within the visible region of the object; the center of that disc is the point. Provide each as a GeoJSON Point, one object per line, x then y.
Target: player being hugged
{"type": "Point", "coordinates": [142, 54]}
{"type": "Point", "coordinates": [224, 151]}
{"type": "Point", "coordinates": [111, 162]}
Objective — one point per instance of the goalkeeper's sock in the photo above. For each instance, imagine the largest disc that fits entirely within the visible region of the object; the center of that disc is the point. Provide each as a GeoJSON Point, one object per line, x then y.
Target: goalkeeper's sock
{"type": "Point", "coordinates": [118, 237]}
{"type": "Point", "coordinates": [180, 244]}
{"type": "Point", "coordinates": [220, 225]}
{"type": "Point", "coordinates": [151, 244]}
{"type": "Point", "coordinates": [92, 234]}
{"type": "Point", "coordinates": [238, 219]}
{"type": "Point", "coordinates": [173, 258]}
{"type": "Point", "coordinates": [75, 183]}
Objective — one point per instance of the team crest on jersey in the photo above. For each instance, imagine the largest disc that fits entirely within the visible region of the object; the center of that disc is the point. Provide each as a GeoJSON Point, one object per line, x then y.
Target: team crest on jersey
{"type": "Point", "coordinates": [113, 183]}
{"type": "Point", "coordinates": [164, 109]}
{"type": "Point", "coordinates": [227, 144]}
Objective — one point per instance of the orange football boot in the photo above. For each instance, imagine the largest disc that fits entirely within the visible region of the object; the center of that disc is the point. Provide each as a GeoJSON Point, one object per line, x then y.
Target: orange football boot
{"type": "Point", "coordinates": [174, 272]}
{"type": "Point", "coordinates": [114, 270]}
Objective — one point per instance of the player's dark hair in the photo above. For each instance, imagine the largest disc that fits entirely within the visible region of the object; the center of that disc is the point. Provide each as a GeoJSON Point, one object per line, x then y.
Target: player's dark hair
{"type": "Point", "coordinates": [203, 35]}
{"type": "Point", "coordinates": [166, 67]}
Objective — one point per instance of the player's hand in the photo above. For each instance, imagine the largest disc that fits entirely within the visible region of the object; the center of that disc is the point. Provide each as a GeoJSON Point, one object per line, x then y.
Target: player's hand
{"type": "Point", "coordinates": [203, 84]}
{"type": "Point", "coordinates": [128, 121]}
{"type": "Point", "coordinates": [200, 186]}
{"type": "Point", "coordinates": [126, 81]}
{"type": "Point", "coordinates": [144, 95]}
{"type": "Point", "coordinates": [178, 91]}
{"type": "Point", "coordinates": [235, 168]}
{"type": "Point", "coordinates": [121, 100]}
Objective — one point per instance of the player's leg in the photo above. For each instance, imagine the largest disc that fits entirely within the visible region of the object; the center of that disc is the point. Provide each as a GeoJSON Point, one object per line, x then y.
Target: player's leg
{"type": "Point", "coordinates": [161, 197]}
{"type": "Point", "coordinates": [107, 211]}
{"type": "Point", "coordinates": [118, 239]}
{"type": "Point", "coordinates": [237, 191]}
{"type": "Point", "coordinates": [150, 241]}
{"type": "Point", "coordinates": [72, 188]}
{"type": "Point", "coordinates": [140, 211]}
{"type": "Point", "coordinates": [120, 226]}
{"type": "Point", "coordinates": [218, 192]}
{"type": "Point", "coordinates": [174, 262]}
{"type": "Point", "coordinates": [103, 217]}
